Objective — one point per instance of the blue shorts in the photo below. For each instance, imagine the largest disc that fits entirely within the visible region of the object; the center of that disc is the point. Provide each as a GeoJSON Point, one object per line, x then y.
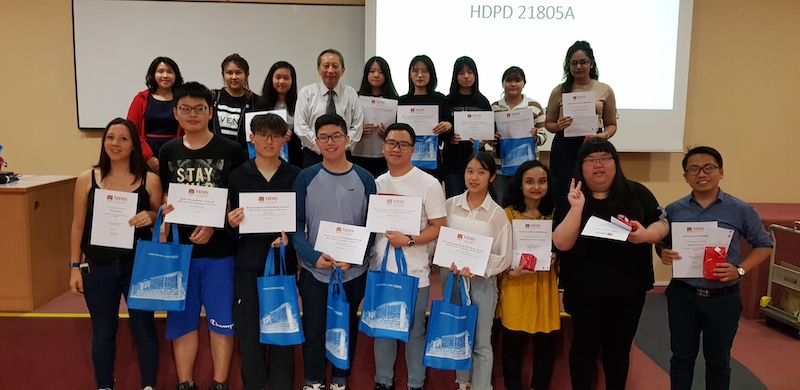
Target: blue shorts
{"type": "Point", "coordinates": [210, 285]}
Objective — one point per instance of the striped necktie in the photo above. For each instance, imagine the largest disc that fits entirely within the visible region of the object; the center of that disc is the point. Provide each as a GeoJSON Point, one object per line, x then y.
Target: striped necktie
{"type": "Point", "coordinates": [330, 108]}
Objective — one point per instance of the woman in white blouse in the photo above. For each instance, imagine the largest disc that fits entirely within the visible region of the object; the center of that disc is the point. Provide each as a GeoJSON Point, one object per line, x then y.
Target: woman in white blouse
{"type": "Point", "coordinates": [475, 211]}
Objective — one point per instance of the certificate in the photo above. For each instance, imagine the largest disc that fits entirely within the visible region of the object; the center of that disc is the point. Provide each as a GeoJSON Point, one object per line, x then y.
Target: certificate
{"type": "Point", "coordinates": [268, 212]}
{"type": "Point", "coordinates": [601, 228]}
{"type": "Point", "coordinates": [379, 110]}
{"type": "Point", "coordinates": [477, 125]}
{"type": "Point", "coordinates": [345, 243]}
{"type": "Point", "coordinates": [533, 237]}
{"type": "Point", "coordinates": [514, 124]}
{"type": "Point", "coordinates": [580, 106]}
{"type": "Point", "coordinates": [465, 249]}
{"type": "Point", "coordinates": [110, 215]}
{"type": "Point", "coordinates": [689, 240]}
{"type": "Point", "coordinates": [389, 212]}
{"type": "Point", "coordinates": [248, 117]}
{"type": "Point", "coordinates": [197, 205]}
{"type": "Point", "coordinates": [421, 118]}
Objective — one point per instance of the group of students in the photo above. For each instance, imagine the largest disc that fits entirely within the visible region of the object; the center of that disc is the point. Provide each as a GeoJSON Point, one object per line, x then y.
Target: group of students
{"type": "Point", "coordinates": [604, 281]}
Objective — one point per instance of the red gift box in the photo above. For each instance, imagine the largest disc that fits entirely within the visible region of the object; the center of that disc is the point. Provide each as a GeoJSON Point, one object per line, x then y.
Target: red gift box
{"type": "Point", "coordinates": [527, 261]}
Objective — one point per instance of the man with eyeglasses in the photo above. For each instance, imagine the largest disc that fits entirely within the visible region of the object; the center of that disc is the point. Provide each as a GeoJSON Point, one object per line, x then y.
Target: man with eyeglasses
{"type": "Point", "coordinates": [407, 180]}
{"type": "Point", "coordinates": [327, 97]}
{"type": "Point", "coordinates": [334, 190]}
{"type": "Point", "coordinates": [201, 158]}
{"type": "Point", "coordinates": [702, 306]}
{"type": "Point", "coordinates": [264, 173]}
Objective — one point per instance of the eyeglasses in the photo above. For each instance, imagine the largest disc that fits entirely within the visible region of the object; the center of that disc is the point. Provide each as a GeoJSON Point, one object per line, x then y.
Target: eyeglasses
{"type": "Point", "coordinates": [575, 64]}
{"type": "Point", "coordinates": [694, 170]}
{"type": "Point", "coordinates": [421, 71]}
{"type": "Point", "coordinates": [391, 144]}
{"type": "Point", "coordinates": [335, 137]}
{"type": "Point", "coordinates": [186, 110]}
{"type": "Point", "coordinates": [266, 136]}
{"type": "Point", "coordinates": [605, 160]}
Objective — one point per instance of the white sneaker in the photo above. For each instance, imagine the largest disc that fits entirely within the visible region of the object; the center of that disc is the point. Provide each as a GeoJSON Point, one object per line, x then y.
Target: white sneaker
{"type": "Point", "coordinates": [315, 386]}
{"type": "Point", "coordinates": [148, 388]}
{"type": "Point", "coordinates": [335, 386]}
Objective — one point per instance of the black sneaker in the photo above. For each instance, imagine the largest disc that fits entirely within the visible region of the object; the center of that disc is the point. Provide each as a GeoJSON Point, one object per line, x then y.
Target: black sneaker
{"type": "Point", "coordinates": [380, 386]}
{"type": "Point", "coordinates": [185, 386]}
{"type": "Point", "coordinates": [218, 386]}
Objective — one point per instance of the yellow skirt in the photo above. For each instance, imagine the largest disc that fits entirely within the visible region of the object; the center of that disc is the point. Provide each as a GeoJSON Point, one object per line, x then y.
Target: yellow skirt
{"type": "Point", "coordinates": [530, 302]}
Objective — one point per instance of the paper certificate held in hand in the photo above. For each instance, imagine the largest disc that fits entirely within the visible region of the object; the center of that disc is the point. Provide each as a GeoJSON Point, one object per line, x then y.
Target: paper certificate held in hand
{"type": "Point", "coordinates": [689, 240]}
{"type": "Point", "coordinates": [580, 106]}
{"type": "Point", "coordinates": [421, 118]}
{"type": "Point", "coordinates": [197, 205]}
{"type": "Point", "coordinates": [345, 243]}
{"type": "Point", "coordinates": [389, 212]}
{"type": "Point", "coordinates": [379, 110]}
{"type": "Point", "coordinates": [477, 125]}
{"type": "Point", "coordinates": [268, 212]}
{"type": "Point", "coordinates": [465, 249]}
{"type": "Point", "coordinates": [110, 215]}
{"type": "Point", "coordinates": [600, 228]}
{"type": "Point", "coordinates": [248, 118]}
{"type": "Point", "coordinates": [514, 124]}
{"type": "Point", "coordinates": [535, 238]}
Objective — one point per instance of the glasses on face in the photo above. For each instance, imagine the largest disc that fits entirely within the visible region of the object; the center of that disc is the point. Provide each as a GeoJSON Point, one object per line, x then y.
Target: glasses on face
{"type": "Point", "coordinates": [186, 110]}
{"type": "Point", "coordinates": [266, 136]}
{"type": "Point", "coordinates": [605, 160]}
{"type": "Point", "coordinates": [583, 62]}
{"type": "Point", "coordinates": [335, 137]}
{"type": "Point", "coordinates": [694, 170]}
{"type": "Point", "coordinates": [419, 71]}
{"type": "Point", "coordinates": [391, 144]}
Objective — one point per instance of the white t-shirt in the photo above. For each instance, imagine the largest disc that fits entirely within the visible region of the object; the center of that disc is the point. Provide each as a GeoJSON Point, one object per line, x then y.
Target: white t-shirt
{"type": "Point", "coordinates": [414, 183]}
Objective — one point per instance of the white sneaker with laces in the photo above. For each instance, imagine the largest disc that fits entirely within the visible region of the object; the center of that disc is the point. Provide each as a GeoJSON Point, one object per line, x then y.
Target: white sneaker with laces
{"type": "Point", "coordinates": [335, 386]}
{"type": "Point", "coordinates": [148, 388]}
{"type": "Point", "coordinates": [315, 386]}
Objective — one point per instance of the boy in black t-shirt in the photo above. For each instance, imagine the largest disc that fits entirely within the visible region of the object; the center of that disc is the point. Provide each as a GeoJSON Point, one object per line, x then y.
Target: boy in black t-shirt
{"type": "Point", "coordinates": [203, 159]}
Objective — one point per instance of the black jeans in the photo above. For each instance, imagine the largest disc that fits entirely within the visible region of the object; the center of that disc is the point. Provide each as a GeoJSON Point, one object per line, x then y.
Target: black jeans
{"type": "Point", "coordinates": [254, 354]}
{"type": "Point", "coordinates": [315, 308]}
{"type": "Point", "coordinates": [513, 356]}
{"type": "Point", "coordinates": [717, 319]}
{"type": "Point", "coordinates": [607, 322]}
{"type": "Point", "coordinates": [103, 286]}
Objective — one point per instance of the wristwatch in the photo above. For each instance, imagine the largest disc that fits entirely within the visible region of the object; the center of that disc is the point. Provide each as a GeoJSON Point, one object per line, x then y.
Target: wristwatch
{"type": "Point", "coordinates": [741, 272]}
{"type": "Point", "coordinates": [410, 240]}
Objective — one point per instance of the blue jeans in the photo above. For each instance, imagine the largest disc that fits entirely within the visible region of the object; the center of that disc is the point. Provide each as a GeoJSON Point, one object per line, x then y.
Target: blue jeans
{"type": "Point", "coordinates": [315, 308]}
{"type": "Point", "coordinates": [717, 319]}
{"type": "Point", "coordinates": [103, 286]}
{"type": "Point", "coordinates": [386, 349]}
{"type": "Point", "coordinates": [482, 293]}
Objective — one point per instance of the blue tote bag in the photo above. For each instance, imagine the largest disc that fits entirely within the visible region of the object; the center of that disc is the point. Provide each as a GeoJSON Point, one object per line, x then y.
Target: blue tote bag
{"type": "Point", "coordinates": [337, 323]}
{"type": "Point", "coordinates": [451, 331]}
{"type": "Point", "coordinates": [426, 152]}
{"type": "Point", "coordinates": [389, 300]}
{"type": "Point", "coordinates": [514, 152]}
{"type": "Point", "coordinates": [160, 273]}
{"type": "Point", "coordinates": [279, 313]}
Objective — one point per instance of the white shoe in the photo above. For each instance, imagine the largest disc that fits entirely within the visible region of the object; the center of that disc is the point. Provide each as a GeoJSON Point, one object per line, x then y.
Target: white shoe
{"type": "Point", "coordinates": [315, 386]}
{"type": "Point", "coordinates": [334, 386]}
{"type": "Point", "coordinates": [148, 388]}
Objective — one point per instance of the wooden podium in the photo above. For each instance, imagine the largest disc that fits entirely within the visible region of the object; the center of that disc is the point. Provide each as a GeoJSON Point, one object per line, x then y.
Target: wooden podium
{"type": "Point", "coordinates": [35, 223]}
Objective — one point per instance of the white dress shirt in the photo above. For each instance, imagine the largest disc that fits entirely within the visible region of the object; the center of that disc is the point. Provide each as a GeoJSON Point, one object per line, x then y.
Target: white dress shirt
{"type": "Point", "coordinates": [312, 102]}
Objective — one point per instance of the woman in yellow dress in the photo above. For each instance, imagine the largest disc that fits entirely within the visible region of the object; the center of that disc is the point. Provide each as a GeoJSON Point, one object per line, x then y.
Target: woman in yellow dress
{"type": "Point", "coordinates": [529, 303]}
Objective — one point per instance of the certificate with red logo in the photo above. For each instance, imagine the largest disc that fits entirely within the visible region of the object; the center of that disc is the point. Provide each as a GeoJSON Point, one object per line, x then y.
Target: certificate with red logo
{"type": "Point", "coordinates": [399, 213]}
{"type": "Point", "coordinates": [378, 110]}
{"type": "Point", "coordinates": [268, 212]}
{"type": "Point", "coordinates": [689, 240]}
{"type": "Point", "coordinates": [345, 243]}
{"type": "Point", "coordinates": [197, 205]}
{"type": "Point", "coordinates": [535, 239]}
{"type": "Point", "coordinates": [421, 118]}
{"type": "Point", "coordinates": [110, 215]}
{"type": "Point", "coordinates": [477, 125]}
{"type": "Point", "coordinates": [580, 106]}
{"type": "Point", "coordinates": [463, 248]}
